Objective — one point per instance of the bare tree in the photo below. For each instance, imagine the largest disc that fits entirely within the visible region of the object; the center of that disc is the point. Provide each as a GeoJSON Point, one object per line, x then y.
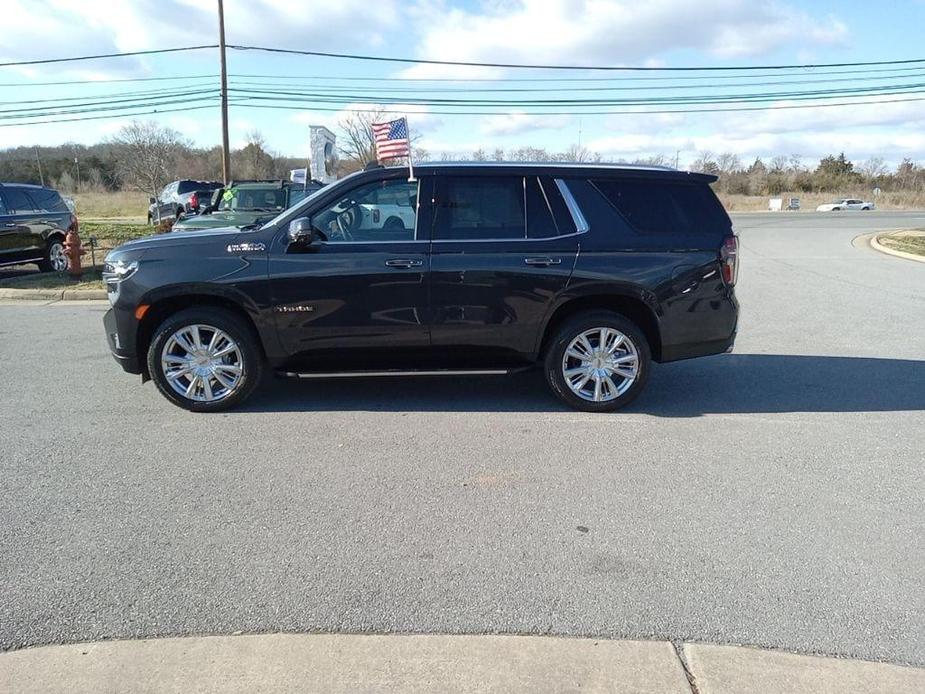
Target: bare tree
{"type": "Point", "coordinates": [358, 143]}
{"type": "Point", "coordinates": [253, 159]}
{"type": "Point", "coordinates": [728, 163]}
{"type": "Point", "coordinates": [579, 154]}
{"type": "Point", "coordinates": [779, 164]}
{"type": "Point", "coordinates": [479, 155]}
{"type": "Point", "coordinates": [705, 163]}
{"type": "Point", "coordinates": [146, 154]}
{"type": "Point", "coordinates": [873, 168]}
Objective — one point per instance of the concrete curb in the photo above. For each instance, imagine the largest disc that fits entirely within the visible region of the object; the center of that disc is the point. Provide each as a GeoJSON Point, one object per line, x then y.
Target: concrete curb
{"type": "Point", "coordinates": [52, 294]}
{"type": "Point", "coordinates": [335, 663]}
{"type": "Point", "coordinates": [876, 245]}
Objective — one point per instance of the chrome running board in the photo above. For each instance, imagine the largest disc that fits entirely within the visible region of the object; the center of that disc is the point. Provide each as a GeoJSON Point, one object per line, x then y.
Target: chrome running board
{"type": "Point", "coordinates": [399, 372]}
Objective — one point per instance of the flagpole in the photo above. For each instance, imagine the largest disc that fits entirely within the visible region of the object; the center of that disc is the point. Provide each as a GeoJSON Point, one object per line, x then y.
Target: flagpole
{"type": "Point", "coordinates": [411, 178]}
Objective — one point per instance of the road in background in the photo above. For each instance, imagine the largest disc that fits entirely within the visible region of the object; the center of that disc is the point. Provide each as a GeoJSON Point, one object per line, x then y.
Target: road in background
{"type": "Point", "coordinates": [769, 497]}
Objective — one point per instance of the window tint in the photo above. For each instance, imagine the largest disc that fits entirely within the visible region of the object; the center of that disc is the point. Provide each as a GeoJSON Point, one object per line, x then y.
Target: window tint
{"type": "Point", "coordinates": [540, 224]}
{"type": "Point", "coordinates": [18, 201]}
{"type": "Point", "coordinates": [380, 211]}
{"type": "Point", "coordinates": [48, 200]}
{"type": "Point", "coordinates": [480, 207]}
{"type": "Point", "coordinates": [560, 213]}
{"type": "Point", "coordinates": [2, 205]}
{"type": "Point", "coordinates": [665, 208]}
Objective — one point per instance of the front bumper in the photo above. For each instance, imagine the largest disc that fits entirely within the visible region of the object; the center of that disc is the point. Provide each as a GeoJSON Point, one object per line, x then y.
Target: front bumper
{"type": "Point", "coordinates": [121, 346]}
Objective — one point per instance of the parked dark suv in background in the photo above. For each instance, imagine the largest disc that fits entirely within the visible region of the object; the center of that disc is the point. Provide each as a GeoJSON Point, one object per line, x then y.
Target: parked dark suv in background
{"type": "Point", "coordinates": [33, 222]}
{"type": "Point", "coordinates": [180, 198]}
{"type": "Point", "coordinates": [590, 271]}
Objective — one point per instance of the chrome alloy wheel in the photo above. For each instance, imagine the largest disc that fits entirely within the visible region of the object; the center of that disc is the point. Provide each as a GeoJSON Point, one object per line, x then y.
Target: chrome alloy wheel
{"type": "Point", "coordinates": [56, 257]}
{"type": "Point", "coordinates": [202, 363]}
{"type": "Point", "coordinates": [600, 364]}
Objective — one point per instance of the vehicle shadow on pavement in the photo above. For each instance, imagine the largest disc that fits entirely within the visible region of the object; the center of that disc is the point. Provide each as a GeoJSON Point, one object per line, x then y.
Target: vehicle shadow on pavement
{"type": "Point", "coordinates": [725, 384]}
{"type": "Point", "coordinates": [768, 383]}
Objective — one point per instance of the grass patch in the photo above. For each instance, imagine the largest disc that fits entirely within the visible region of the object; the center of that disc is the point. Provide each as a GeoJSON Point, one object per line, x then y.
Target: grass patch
{"type": "Point", "coordinates": [123, 204]}
{"type": "Point", "coordinates": [114, 232]}
{"type": "Point", "coordinates": [905, 241]}
{"type": "Point", "coordinates": [56, 280]}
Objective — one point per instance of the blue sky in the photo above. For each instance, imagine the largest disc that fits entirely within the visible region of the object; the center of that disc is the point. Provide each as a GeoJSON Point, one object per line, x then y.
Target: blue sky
{"type": "Point", "coordinates": [615, 32]}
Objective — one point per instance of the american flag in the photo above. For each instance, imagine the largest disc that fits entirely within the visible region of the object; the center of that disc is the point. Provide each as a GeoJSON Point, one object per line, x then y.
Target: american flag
{"type": "Point", "coordinates": [392, 139]}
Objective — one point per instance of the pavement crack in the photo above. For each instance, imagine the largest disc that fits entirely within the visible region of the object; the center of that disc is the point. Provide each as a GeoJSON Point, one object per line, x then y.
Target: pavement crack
{"type": "Point", "coordinates": [691, 680]}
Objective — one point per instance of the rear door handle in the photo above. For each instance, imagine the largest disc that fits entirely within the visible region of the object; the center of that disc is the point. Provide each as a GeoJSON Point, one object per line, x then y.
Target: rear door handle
{"type": "Point", "coordinates": [403, 262]}
{"type": "Point", "coordinates": [543, 261]}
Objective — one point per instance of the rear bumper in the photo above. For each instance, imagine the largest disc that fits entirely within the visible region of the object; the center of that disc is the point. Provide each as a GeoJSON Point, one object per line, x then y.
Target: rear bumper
{"type": "Point", "coordinates": [121, 343]}
{"type": "Point", "coordinates": [711, 330]}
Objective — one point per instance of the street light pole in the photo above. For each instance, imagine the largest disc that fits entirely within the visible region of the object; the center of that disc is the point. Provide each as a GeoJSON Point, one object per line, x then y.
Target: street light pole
{"type": "Point", "coordinates": [226, 151]}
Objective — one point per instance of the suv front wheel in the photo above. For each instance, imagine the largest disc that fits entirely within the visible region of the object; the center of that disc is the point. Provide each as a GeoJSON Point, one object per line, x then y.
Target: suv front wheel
{"type": "Point", "coordinates": [598, 362]}
{"type": "Point", "coordinates": [205, 359]}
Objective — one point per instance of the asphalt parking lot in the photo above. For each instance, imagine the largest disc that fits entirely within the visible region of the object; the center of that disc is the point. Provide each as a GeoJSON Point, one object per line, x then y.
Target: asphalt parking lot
{"type": "Point", "coordinates": [770, 497]}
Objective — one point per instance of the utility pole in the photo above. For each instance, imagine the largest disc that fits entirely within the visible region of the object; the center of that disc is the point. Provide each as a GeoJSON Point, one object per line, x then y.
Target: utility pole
{"type": "Point", "coordinates": [39, 161]}
{"type": "Point", "coordinates": [226, 151]}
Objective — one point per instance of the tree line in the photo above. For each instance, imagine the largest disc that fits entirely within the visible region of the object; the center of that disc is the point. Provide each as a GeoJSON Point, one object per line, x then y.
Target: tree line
{"type": "Point", "coordinates": [146, 156]}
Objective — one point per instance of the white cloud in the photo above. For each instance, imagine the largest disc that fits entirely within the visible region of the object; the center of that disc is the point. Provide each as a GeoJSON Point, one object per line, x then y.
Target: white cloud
{"type": "Point", "coordinates": [619, 31]}
{"type": "Point", "coordinates": [517, 123]}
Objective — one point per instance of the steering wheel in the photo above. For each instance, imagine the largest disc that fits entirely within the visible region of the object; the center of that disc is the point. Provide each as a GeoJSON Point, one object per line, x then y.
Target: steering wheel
{"type": "Point", "coordinates": [347, 221]}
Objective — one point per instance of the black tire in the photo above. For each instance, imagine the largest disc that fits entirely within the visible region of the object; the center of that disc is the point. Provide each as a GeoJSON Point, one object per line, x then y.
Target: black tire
{"type": "Point", "coordinates": [865, 209]}
{"type": "Point", "coordinates": [394, 224]}
{"type": "Point", "coordinates": [571, 329]}
{"type": "Point", "coordinates": [150, 220]}
{"type": "Point", "coordinates": [231, 324]}
{"type": "Point", "coordinates": [836, 209]}
{"type": "Point", "coordinates": [54, 256]}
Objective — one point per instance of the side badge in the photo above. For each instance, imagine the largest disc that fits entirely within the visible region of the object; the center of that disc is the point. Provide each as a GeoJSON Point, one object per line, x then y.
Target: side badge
{"type": "Point", "coordinates": [245, 247]}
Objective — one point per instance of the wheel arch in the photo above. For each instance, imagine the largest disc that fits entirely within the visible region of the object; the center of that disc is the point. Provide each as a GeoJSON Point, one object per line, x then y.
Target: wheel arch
{"type": "Point", "coordinates": [633, 308]}
{"type": "Point", "coordinates": [164, 306]}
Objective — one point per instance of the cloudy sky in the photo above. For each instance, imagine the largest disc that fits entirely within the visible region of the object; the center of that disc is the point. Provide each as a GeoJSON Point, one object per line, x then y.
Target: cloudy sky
{"type": "Point", "coordinates": [656, 33]}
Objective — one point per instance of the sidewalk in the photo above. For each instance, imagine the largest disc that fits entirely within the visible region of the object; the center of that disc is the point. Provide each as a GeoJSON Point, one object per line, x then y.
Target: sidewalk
{"type": "Point", "coordinates": [333, 664]}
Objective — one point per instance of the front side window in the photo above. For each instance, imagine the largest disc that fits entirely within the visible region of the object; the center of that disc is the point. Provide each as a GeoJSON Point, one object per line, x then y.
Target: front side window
{"type": "Point", "coordinates": [480, 208]}
{"type": "Point", "coordinates": [381, 211]}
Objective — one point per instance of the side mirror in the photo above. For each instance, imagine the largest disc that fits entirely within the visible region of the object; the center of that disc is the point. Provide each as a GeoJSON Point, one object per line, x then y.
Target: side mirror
{"type": "Point", "coordinates": [151, 201]}
{"type": "Point", "coordinates": [301, 231]}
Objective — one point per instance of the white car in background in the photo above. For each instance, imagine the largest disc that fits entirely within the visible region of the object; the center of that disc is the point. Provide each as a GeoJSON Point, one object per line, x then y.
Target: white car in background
{"type": "Point", "coordinates": [845, 204]}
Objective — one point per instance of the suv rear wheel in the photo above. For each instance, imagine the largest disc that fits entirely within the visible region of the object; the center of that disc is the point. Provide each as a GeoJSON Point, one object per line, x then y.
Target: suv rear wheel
{"type": "Point", "coordinates": [205, 359]}
{"type": "Point", "coordinates": [598, 362]}
{"type": "Point", "coordinates": [55, 260]}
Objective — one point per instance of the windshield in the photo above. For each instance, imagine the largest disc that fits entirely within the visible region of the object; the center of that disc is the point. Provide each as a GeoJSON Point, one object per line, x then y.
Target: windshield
{"type": "Point", "coordinates": [269, 199]}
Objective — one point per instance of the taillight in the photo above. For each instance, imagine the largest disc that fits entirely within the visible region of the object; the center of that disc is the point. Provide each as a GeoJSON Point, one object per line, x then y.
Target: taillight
{"type": "Point", "coordinates": [194, 200]}
{"type": "Point", "coordinates": [729, 258]}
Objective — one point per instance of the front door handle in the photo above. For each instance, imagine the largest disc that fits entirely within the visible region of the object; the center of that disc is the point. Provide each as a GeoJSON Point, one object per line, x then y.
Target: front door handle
{"type": "Point", "coordinates": [403, 262]}
{"type": "Point", "coordinates": [543, 261]}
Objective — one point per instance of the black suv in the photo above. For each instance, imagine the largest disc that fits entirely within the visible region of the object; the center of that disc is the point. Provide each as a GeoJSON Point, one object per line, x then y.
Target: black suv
{"type": "Point", "coordinates": [33, 222]}
{"type": "Point", "coordinates": [180, 198]}
{"type": "Point", "coordinates": [592, 272]}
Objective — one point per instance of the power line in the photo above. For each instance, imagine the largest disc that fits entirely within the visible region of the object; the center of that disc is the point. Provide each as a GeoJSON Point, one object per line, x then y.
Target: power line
{"type": "Point", "coordinates": [782, 107]}
{"type": "Point", "coordinates": [633, 68]}
{"type": "Point", "coordinates": [122, 115]}
{"type": "Point", "coordinates": [99, 56]}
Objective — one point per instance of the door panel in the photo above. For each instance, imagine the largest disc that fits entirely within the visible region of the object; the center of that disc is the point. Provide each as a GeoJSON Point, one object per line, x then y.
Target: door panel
{"type": "Point", "coordinates": [354, 299]}
{"type": "Point", "coordinates": [491, 296]}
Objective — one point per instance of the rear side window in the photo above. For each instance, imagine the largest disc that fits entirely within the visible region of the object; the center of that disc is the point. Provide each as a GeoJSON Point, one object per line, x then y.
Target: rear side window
{"type": "Point", "coordinates": [2, 205]}
{"type": "Point", "coordinates": [48, 200]}
{"type": "Point", "coordinates": [665, 208]}
{"type": "Point", "coordinates": [480, 208]}
{"type": "Point", "coordinates": [541, 223]}
{"type": "Point", "coordinates": [18, 201]}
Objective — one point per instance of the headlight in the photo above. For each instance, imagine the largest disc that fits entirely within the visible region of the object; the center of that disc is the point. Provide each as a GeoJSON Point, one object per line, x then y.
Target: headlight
{"type": "Point", "coordinates": [118, 271]}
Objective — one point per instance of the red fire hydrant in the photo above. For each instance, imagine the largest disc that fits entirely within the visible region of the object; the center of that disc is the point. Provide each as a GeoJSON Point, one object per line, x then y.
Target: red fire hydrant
{"type": "Point", "coordinates": [73, 250]}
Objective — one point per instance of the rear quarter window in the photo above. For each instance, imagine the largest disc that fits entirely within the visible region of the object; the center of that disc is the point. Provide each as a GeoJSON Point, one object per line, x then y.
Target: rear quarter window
{"type": "Point", "coordinates": [48, 200]}
{"type": "Point", "coordinates": [652, 207]}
